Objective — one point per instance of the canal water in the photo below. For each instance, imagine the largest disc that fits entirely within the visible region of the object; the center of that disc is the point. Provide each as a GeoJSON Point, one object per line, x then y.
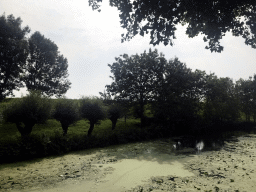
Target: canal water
{"type": "Point", "coordinates": [114, 168]}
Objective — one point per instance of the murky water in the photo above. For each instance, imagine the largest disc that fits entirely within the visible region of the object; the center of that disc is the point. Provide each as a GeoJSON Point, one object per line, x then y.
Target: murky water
{"type": "Point", "coordinates": [126, 174]}
{"type": "Point", "coordinates": [114, 168]}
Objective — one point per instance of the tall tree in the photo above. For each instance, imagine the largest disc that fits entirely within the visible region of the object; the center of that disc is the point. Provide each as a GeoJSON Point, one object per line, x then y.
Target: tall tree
{"type": "Point", "coordinates": [135, 77]}
{"type": "Point", "coordinates": [221, 102]}
{"type": "Point", "coordinates": [212, 18]}
{"type": "Point", "coordinates": [245, 91]}
{"type": "Point", "coordinates": [254, 97]}
{"type": "Point", "coordinates": [46, 69]}
{"type": "Point", "coordinates": [13, 54]}
{"type": "Point", "coordinates": [179, 93]}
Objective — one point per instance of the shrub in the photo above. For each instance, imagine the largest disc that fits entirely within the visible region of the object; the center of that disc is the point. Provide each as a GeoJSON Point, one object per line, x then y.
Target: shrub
{"type": "Point", "coordinates": [67, 113]}
{"type": "Point", "coordinates": [92, 109]}
{"type": "Point", "coordinates": [28, 111]}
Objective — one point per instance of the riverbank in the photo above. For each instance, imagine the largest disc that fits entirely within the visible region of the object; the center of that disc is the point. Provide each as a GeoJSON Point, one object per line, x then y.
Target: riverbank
{"type": "Point", "coordinates": [147, 166]}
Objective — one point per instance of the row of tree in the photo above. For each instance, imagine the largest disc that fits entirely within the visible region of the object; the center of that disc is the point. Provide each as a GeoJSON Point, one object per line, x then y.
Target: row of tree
{"type": "Point", "coordinates": [36, 108]}
{"type": "Point", "coordinates": [176, 94]}
{"type": "Point", "coordinates": [34, 61]}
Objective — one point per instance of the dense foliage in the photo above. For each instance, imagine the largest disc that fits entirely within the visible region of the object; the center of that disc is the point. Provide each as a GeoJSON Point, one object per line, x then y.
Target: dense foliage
{"type": "Point", "coordinates": [136, 77]}
{"type": "Point", "coordinates": [13, 54]}
{"type": "Point", "coordinates": [211, 18]}
{"type": "Point", "coordinates": [177, 95]}
{"type": "Point", "coordinates": [246, 90]}
{"type": "Point", "coordinates": [46, 69]}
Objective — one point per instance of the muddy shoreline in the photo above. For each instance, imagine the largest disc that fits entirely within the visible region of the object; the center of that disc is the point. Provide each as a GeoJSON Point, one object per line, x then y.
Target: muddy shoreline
{"type": "Point", "coordinates": [229, 169]}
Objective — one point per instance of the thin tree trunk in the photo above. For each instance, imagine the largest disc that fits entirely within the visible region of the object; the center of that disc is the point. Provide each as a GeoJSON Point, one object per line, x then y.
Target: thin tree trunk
{"type": "Point", "coordinates": [114, 123]}
{"type": "Point", "coordinates": [91, 128]}
{"type": "Point", "coordinates": [142, 120]}
{"type": "Point", "coordinates": [26, 130]}
{"type": "Point", "coordinates": [64, 128]}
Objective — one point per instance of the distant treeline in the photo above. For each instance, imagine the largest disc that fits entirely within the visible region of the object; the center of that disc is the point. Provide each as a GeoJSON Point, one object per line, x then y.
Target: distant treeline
{"type": "Point", "coordinates": [176, 94]}
{"type": "Point", "coordinates": [149, 87]}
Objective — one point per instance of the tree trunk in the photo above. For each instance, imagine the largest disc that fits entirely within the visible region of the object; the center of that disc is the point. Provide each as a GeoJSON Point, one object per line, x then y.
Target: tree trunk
{"type": "Point", "coordinates": [114, 123]}
{"type": "Point", "coordinates": [125, 120]}
{"type": "Point", "coordinates": [64, 128]}
{"type": "Point", "coordinates": [26, 130]}
{"type": "Point", "coordinates": [248, 117]}
{"type": "Point", "coordinates": [142, 119]}
{"type": "Point", "coordinates": [91, 128]}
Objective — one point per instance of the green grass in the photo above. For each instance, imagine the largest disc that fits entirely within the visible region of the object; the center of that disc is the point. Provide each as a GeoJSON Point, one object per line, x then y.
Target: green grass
{"type": "Point", "coordinates": [47, 139]}
{"type": "Point", "coordinates": [8, 131]}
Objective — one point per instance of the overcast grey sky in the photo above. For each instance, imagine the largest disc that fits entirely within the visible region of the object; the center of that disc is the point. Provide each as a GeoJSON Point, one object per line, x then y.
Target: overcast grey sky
{"type": "Point", "coordinates": [91, 40]}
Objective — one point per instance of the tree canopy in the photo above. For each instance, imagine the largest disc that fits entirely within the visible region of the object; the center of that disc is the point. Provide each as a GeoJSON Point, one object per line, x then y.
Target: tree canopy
{"type": "Point", "coordinates": [135, 77]}
{"type": "Point", "coordinates": [46, 69]}
{"type": "Point", "coordinates": [212, 18]}
{"type": "Point", "coordinates": [13, 54]}
{"type": "Point", "coordinates": [28, 111]}
{"type": "Point", "coordinates": [66, 112]}
{"type": "Point", "coordinates": [93, 110]}
{"type": "Point", "coordinates": [246, 90]}
{"type": "Point", "coordinates": [221, 101]}
{"type": "Point", "coordinates": [34, 61]}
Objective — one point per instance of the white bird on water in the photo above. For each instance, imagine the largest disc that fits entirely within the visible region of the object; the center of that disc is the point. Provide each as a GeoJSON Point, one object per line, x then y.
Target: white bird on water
{"type": "Point", "coordinates": [177, 146]}
{"type": "Point", "coordinates": [199, 146]}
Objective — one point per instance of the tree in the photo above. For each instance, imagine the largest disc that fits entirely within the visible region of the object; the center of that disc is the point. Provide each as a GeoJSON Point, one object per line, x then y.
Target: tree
{"type": "Point", "coordinates": [28, 111]}
{"type": "Point", "coordinates": [221, 102]}
{"type": "Point", "coordinates": [13, 54]}
{"type": "Point", "coordinates": [254, 97]}
{"type": "Point", "coordinates": [212, 18]}
{"type": "Point", "coordinates": [66, 112]}
{"type": "Point", "coordinates": [245, 90]}
{"type": "Point", "coordinates": [114, 112]}
{"type": "Point", "coordinates": [135, 78]}
{"type": "Point", "coordinates": [46, 69]}
{"type": "Point", "coordinates": [92, 109]}
{"type": "Point", "coordinates": [178, 94]}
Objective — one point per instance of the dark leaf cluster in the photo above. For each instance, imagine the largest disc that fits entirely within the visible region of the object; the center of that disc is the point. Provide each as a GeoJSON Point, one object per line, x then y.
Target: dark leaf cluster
{"type": "Point", "coordinates": [211, 18]}
{"type": "Point", "coordinates": [13, 54]}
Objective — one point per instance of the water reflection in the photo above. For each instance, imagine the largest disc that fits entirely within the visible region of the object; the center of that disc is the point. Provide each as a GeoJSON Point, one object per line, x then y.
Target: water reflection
{"type": "Point", "coordinates": [199, 147]}
{"type": "Point", "coordinates": [196, 146]}
{"type": "Point", "coordinates": [177, 146]}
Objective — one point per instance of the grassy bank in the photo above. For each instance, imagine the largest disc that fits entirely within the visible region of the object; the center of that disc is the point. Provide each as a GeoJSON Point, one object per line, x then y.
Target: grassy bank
{"type": "Point", "coordinates": [48, 140]}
